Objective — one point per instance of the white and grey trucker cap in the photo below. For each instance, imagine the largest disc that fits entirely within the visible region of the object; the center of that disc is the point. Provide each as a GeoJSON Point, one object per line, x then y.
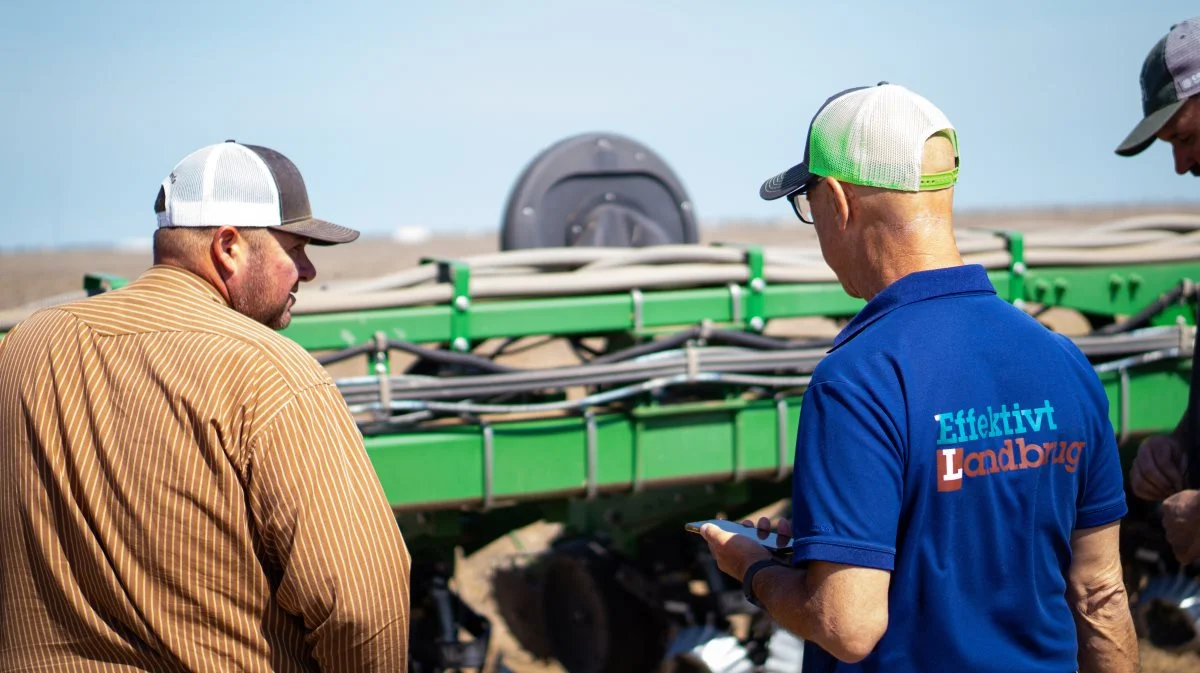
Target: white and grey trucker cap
{"type": "Point", "coordinates": [237, 185]}
{"type": "Point", "coordinates": [1170, 75]}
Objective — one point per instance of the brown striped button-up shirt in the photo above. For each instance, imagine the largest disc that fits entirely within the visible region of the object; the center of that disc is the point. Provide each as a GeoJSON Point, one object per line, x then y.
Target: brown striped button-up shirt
{"type": "Point", "coordinates": [183, 489]}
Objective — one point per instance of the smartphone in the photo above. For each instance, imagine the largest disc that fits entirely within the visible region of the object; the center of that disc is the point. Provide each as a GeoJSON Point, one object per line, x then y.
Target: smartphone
{"type": "Point", "coordinates": [774, 542]}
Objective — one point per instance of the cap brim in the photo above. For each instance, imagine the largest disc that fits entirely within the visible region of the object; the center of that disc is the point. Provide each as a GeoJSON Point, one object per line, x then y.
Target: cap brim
{"type": "Point", "coordinates": [320, 232]}
{"type": "Point", "coordinates": [1143, 135]}
{"type": "Point", "coordinates": [785, 183]}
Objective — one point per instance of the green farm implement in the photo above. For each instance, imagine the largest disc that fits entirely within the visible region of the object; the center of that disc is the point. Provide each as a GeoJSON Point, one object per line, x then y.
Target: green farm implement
{"type": "Point", "coordinates": [607, 372]}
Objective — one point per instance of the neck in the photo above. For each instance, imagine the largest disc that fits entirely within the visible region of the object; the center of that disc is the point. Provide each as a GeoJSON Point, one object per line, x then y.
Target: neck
{"type": "Point", "coordinates": [893, 251]}
{"type": "Point", "coordinates": [198, 268]}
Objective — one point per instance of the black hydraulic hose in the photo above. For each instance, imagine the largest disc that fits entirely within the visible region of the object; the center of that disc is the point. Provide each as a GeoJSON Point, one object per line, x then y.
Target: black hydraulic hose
{"type": "Point", "coordinates": [450, 357]}
{"type": "Point", "coordinates": [503, 346]}
{"type": "Point", "coordinates": [732, 337]}
{"type": "Point", "coordinates": [674, 341]}
{"type": "Point", "coordinates": [433, 354]}
{"type": "Point", "coordinates": [507, 349]}
{"type": "Point", "coordinates": [1142, 317]}
{"type": "Point", "coordinates": [346, 353]}
{"type": "Point", "coordinates": [582, 351]}
{"type": "Point", "coordinates": [671, 342]}
{"type": "Point", "coordinates": [751, 340]}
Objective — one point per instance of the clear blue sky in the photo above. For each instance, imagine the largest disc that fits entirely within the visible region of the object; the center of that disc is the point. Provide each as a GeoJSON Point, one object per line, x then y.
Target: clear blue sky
{"type": "Point", "coordinates": [423, 113]}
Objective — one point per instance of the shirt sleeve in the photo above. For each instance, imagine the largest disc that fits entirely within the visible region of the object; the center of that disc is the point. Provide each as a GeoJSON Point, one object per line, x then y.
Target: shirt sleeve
{"type": "Point", "coordinates": [324, 522]}
{"type": "Point", "coordinates": [847, 485]}
{"type": "Point", "coordinates": [1101, 497]}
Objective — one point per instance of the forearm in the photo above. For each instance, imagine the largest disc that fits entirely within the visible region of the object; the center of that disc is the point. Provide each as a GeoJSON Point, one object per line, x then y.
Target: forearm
{"type": "Point", "coordinates": [821, 611]}
{"type": "Point", "coordinates": [785, 595]}
{"type": "Point", "coordinates": [1107, 641]}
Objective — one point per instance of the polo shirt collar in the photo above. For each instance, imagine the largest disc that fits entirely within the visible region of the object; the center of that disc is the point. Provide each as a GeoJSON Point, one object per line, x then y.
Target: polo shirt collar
{"type": "Point", "coordinates": [915, 287]}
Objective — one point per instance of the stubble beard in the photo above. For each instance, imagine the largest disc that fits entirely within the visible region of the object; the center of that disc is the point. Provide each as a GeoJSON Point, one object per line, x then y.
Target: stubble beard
{"type": "Point", "coordinates": [255, 301]}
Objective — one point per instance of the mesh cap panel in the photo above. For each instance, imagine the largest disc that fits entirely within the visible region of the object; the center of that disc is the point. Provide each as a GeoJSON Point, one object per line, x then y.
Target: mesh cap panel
{"type": "Point", "coordinates": [224, 184]}
{"type": "Point", "coordinates": [875, 137]}
{"type": "Point", "coordinates": [243, 178]}
{"type": "Point", "coordinates": [1182, 56]}
{"type": "Point", "coordinates": [187, 180]}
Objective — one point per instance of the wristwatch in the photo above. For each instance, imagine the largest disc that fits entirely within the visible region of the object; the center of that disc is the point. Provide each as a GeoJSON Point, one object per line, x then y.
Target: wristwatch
{"type": "Point", "coordinates": [748, 579]}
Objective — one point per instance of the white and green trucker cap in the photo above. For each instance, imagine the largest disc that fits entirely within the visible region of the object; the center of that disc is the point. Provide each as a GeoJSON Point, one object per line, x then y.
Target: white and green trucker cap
{"type": "Point", "coordinates": [872, 136]}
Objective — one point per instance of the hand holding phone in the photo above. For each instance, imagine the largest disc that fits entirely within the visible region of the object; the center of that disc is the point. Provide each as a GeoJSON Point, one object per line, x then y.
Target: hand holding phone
{"type": "Point", "coordinates": [772, 541]}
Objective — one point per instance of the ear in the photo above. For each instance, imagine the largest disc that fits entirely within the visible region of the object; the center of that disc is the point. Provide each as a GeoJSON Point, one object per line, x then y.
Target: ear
{"type": "Point", "coordinates": [229, 250]}
{"type": "Point", "coordinates": [842, 198]}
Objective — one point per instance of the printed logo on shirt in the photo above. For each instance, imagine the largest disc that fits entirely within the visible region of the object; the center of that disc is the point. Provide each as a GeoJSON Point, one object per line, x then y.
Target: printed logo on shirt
{"type": "Point", "coordinates": [964, 425]}
{"type": "Point", "coordinates": [955, 464]}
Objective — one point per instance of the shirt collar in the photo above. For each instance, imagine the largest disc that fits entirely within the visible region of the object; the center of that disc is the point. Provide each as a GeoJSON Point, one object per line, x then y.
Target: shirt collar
{"type": "Point", "coordinates": [175, 279]}
{"type": "Point", "coordinates": [915, 287]}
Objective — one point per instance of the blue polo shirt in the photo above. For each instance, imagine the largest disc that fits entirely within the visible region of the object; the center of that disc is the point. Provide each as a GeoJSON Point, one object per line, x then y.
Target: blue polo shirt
{"type": "Point", "coordinates": [953, 440]}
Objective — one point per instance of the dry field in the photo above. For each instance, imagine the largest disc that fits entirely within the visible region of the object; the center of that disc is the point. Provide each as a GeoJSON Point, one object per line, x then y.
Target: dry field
{"type": "Point", "coordinates": [26, 276]}
{"type": "Point", "coordinates": [31, 275]}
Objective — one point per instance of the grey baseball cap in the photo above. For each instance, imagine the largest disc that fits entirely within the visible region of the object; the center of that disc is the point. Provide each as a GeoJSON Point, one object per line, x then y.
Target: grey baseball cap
{"type": "Point", "coordinates": [1170, 75]}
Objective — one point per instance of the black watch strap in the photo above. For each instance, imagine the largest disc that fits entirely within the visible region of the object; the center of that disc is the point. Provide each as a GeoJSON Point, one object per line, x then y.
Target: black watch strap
{"type": "Point", "coordinates": [748, 579]}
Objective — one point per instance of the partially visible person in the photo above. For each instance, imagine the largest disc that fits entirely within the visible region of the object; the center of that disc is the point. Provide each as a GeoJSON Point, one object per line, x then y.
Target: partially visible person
{"type": "Point", "coordinates": [957, 490]}
{"type": "Point", "coordinates": [182, 488]}
{"type": "Point", "coordinates": [1170, 81]}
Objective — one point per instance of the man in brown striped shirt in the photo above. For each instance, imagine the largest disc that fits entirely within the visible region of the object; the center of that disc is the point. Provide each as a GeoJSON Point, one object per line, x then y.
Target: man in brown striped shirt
{"type": "Point", "coordinates": [181, 488]}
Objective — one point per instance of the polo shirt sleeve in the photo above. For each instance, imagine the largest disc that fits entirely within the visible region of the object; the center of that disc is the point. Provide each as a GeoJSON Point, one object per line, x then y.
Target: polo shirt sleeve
{"type": "Point", "coordinates": [847, 486]}
{"type": "Point", "coordinates": [1101, 497]}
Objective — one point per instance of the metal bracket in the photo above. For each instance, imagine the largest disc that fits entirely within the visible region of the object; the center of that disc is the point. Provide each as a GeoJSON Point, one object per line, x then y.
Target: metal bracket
{"type": "Point", "coordinates": [639, 310]}
{"type": "Point", "coordinates": [781, 416]}
{"type": "Point", "coordinates": [593, 463]}
{"type": "Point", "coordinates": [458, 274]}
{"type": "Point", "coordinates": [489, 464]}
{"type": "Point", "coordinates": [735, 303]}
{"type": "Point", "coordinates": [380, 368]}
{"type": "Point", "coordinates": [692, 358]}
{"type": "Point", "coordinates": [1016, 265]}
{"type": "Point", "coordinates": [757, 284]}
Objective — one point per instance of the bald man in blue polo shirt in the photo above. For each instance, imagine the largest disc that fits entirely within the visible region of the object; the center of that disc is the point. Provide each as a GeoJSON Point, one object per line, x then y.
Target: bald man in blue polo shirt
{"type": "Point", "coordinates": [957, 490]}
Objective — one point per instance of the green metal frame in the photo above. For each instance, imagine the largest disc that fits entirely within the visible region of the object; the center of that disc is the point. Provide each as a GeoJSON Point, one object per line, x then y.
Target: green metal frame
{"type": "Point", "coordinates": [711, 442]}
{"type": "Point", "coordinates": [650, 446]}
{"type": "Point", "coordinates": [1102, 291]}
{"type": "Point", "coordinates": [623, 473]}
